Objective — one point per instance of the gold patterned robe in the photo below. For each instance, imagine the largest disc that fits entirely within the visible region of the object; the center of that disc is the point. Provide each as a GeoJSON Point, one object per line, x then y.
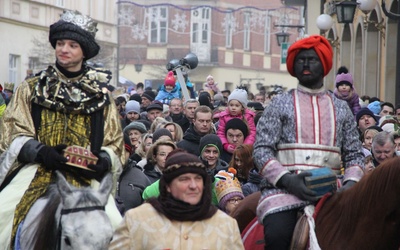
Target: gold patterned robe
{"type": "Point", "coordinates": [67, 105]}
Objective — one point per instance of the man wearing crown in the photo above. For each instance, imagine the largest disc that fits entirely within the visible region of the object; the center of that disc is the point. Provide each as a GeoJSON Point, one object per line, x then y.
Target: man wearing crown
{"type": "Point", "coordinates": [67, 104]}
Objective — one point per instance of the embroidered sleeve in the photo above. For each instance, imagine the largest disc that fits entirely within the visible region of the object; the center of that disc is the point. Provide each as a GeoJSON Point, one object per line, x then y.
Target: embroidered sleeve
{"type": "Point", "coordinates": [269, 133]}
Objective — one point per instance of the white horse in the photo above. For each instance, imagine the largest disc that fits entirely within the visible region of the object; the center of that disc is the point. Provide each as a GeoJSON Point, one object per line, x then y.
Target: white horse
{"type": "Point", "coordinates": [68, 218]}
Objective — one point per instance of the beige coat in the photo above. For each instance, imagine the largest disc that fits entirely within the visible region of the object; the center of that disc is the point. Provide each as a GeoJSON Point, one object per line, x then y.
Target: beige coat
{"type": "Point", "coordinates": [144, 228]}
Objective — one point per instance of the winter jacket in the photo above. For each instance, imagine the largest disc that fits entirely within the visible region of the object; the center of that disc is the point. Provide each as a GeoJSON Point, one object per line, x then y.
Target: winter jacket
{"type": "Point", "coordinates": [190, 141]}
{"type": "Point", "coordinates": [221, 165]}
{"type": "Point", "coordinates": [352, 100]}
{"type": "Point", "coordinates": [212, 89]}
{"type": "Point", "coordinates": [150, 171]}
{"type": "Point", "coordinates": [130, 187]}
{"type": "Point", "coordinates": [253, 183]}
{"type": "Point", "coordinates": [166, 97]}
{"type": "Point", "coordinates": [248, 118]}
{"type": "Point", "coordinates": [145, 228]}
{"type": "Point", "coordinates": [183, 122]}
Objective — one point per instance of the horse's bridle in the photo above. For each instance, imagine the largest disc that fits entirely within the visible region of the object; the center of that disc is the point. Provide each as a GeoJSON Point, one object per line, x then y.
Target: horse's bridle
{"type": "Point", "coordinates": [74, 210]}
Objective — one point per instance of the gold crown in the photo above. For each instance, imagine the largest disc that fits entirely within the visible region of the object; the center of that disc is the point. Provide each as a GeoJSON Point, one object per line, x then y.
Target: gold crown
{"type": "Point", "coordinates": [226, 186]}
{"type": "Point", "coordinates": [9, 86]}
{"type": "Point", "coordinates": [83, 21]}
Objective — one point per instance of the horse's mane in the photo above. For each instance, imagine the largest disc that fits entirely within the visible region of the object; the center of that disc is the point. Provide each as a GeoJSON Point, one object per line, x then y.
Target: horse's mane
{"type": "Point", "coordinates": [47, 228]}
{"type": "Point", "coordinates": [374, 195]}
{"type": "Point", "coordinates": [47, 231]}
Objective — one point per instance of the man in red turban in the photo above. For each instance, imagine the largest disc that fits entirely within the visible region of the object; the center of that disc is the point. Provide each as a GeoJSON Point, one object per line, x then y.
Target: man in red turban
{"type": "Point", "coordinates": [303, 129]}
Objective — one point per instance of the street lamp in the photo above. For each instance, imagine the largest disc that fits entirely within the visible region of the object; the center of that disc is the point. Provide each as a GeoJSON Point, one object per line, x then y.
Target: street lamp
{"type": "Point", "coordinates": [345, 11]}
{"type": "Point", "coordinates": [138, 67]}
{"type": "Point", "coordinates": [324, 22]}
{"type": "Point", "coordinates": [283, 37]}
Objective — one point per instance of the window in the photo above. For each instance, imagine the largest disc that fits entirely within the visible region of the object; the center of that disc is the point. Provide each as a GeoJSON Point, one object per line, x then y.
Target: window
{"type": "Point", "coordinates": [195, 36]}
{"type": "Point", "coordinates": [246, 31]}
{"type": "Point", "coordinates": [267, 34]}
{"type": "Point", "coordinates": [158, 25]}
{"type": "Point", "coordinates": [229, 20]}
{"type": "Point", "coordinates": [33, 63]}
{"type": "Point", "coordinates": [60, 3]}
{"type": "Point", "coordinates": [205, 14]}
{"type": "Point", "coordinates": [200, 26]}
{"type": "Point", "coordinates": [13, 63]}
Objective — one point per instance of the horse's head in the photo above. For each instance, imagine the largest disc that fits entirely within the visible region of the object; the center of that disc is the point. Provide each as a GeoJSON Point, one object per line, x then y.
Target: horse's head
{"type": "Point", "coordinates": [83, 221]}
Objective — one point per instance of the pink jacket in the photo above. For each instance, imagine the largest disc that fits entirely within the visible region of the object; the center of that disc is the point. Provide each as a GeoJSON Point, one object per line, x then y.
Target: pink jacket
{"type": "Point", "coordinates": [225, 116]}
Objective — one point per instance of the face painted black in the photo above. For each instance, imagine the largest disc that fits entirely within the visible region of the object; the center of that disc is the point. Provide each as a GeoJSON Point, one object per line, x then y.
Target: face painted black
{"type": "Point", "coordinates": [309, 69]}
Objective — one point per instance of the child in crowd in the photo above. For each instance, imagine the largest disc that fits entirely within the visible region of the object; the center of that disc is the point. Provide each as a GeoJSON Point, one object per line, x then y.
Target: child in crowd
{"type": "Point", "coordinates": [211, 86]}
{"type": "Point", "coordinates": [169, 90]}
{"type": "Point", "coordinates": [345, 89]}
{"type": "Point", "coordinates": [237, 108]}
{"type": "Point", "coordinates": [228, 190]}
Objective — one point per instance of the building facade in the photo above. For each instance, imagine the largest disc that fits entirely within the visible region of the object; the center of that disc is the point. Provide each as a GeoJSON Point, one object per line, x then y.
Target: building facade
{"type": "Point", "coordinates": [369, 46]}
{"type": "Point", "coordinates": [234, 42]}
{"type": "Point", "coordinates": [24, 27]}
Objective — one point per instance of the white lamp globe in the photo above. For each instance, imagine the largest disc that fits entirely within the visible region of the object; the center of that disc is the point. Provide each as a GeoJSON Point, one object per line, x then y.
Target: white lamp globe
{"type": "Point", "coordinates": [366, 5]}
{"type": "Point", "coordinates": [324, 22]}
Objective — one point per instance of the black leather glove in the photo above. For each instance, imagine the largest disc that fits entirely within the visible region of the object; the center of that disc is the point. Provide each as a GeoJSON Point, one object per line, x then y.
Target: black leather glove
{"type": "Point", "coordinates": [52, 157]}
{"type": "Point", "coordinates": [347, 185]}
{"type": "Point", "coordinates": [102, 166]}
{"type": "Point", "coordinates": [294, 184]}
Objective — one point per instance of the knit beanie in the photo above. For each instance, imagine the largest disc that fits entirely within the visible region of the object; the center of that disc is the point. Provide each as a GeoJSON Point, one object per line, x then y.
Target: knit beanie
{"type": "Point", "coordinates": [170, 79]}
{"type": "Point", "coordinates": [181, 162]}
{"type": "Point", "coordinates": [210, 140]}
{"type": "Point", "coordinates": [161, 132]}
{"type": "Point", "coordinates": [149, 94]}
{"type": "Point", "coordinates": [344, 77]}
{"type": "Point", "coordinates": [226, 188]}
{"type": "Point", "coordinates": [137, 126]}
{"type": "Point", "coordinates": [80, 28]}
{"type": "Point", "coordinates": [239, 95]}
{"type": "Point", "coordinates": [317, 42]}
{"type": "Point", "coordinates": [146, 123]}
{"type": "Point", "coordinates": [364, 111]}
{"type": "Point", "coordinates": [132, 106]}
{"type": "Point", "coordinates": [375, 107]}
{"type": "Point", "coordinates": [237, 123]}
{"type": "Point", "coordinates": [136, 97]}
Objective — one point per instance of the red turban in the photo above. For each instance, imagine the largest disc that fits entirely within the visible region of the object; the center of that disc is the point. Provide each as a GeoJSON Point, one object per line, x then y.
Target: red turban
{"type": "Point", "coordinates": [316, 42]}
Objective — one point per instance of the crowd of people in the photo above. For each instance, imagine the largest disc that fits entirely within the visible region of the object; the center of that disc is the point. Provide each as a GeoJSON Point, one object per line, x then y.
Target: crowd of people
{"type": "Point", "coordinates": [182, 167]}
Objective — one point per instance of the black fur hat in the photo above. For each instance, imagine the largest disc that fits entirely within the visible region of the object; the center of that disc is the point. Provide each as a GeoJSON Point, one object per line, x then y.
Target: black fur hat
{"type": "Point", "coordinates": [75, 26]}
